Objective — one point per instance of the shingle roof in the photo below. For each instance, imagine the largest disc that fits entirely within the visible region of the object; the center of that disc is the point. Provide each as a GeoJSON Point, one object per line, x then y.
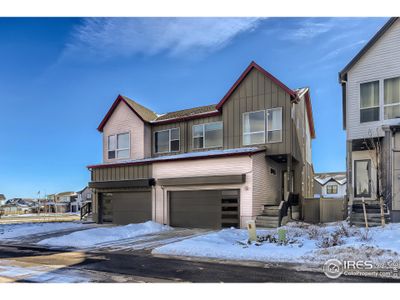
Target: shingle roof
{"type": "Point", "coordinates": [145, 113]}
{"type": "Point", "coordinates": [187, 112]}
{"type": "Point", "coordinates": [2, 197]}
{"type": "Point", "coordinates": [323, 178]}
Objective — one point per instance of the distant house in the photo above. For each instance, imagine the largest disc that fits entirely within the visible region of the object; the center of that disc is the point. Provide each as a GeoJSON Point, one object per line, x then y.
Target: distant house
{"type": "Point", "coordinates": [330, 185]}
{"type": "Point", "coordinates": [19, 206]}
{"type": "Point", "coordinates": [2, 199]}
{"type": "Point", "coordinates": [61, 202]}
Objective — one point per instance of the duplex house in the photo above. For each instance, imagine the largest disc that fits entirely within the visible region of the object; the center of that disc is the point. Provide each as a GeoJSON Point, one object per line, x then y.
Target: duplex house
{"type": "Point", "coordinates": [371, 111]}
{"type": "Point", "coordinates": [212, 166]}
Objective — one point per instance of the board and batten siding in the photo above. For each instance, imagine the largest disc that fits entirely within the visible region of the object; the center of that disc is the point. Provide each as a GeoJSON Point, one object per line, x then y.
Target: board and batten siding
{"type": "Point", "coordinates": [122, 173]}
{"type": "Point", "coordinates": [266, 186]}
{"type": "Point", "coordinates": [256, 92]}
{"type": "Point", "coordinates": [124, 120]}
{"type": "Point", "coordinates": [380, 62]}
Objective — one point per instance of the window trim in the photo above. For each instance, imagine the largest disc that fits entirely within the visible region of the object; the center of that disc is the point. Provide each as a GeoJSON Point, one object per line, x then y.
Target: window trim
{"type": "Point", "coordinates": [332, 186]}
{"type": "Point", "coordinates": [204, 135]}
{"type": "Point", "coordinates": [369, 178]}
{"type": "Point", "coordinates": [116, 145]}
{"type": "Point", "coordinates": [376, 106]}
{"type": "Point", "coordinates": [383, 100]}
{"type": "Point", "coordinates": [256, 132]}
{"type": "Point", "coordinates": [281, 130]}
{"type": "Point", "coordinates": [169, 140]}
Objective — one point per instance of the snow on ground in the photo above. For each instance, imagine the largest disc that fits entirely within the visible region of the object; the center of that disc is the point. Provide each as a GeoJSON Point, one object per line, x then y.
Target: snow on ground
{"type": "Point", "coordinates": [13, 231]}
{"type": "Point", "coordinates": [306, 243]}
{"type": "Point", "coordinates": [96, 236]}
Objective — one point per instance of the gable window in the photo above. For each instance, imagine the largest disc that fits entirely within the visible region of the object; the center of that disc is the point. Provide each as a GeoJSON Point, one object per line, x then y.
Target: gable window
{"type": "Point", "coordinates": [392, 98]}
{"type": "Point", "coordinates": [167, 140]}
{"type": "Point", "coordinates": [369, 102]}
{"type": "Point", "coordinates": [362, 178]}
{"type": "Point", "coordinates": [118, 146]}
{"type": "Point", "coordinates": [207, 135]}
{"type": "Point", "coordinates": [254, 127]}
{"type": "Point", "coordinates": [274, 125]}
{"type": "Point", "coordinates": [331, 189]}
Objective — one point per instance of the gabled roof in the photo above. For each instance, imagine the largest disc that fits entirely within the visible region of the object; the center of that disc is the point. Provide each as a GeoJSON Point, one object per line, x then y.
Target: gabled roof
{"type": "Point", "coordinates": [324, 178]}
{"type": "Point", "coordinates": [184, 113]}
{"type": "Point", "coordinates": [252, 66]}
{"type": "Point", "coordinates": [372, 41]}
{"type": "Point", "coordinates": [145, 114]}
{"type": "Point", "coordinates": [2, 197]}
{"type": "Point", "coordinates": [305, 91]}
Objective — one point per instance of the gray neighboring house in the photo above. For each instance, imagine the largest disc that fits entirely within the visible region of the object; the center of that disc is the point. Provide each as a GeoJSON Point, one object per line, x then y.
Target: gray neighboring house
{"type": "Point", "coordinates": [371, 117]}
{"type": "Point", "coordinates": [83, 196]}
{"type": "Point", "coordinates": [330, 185]}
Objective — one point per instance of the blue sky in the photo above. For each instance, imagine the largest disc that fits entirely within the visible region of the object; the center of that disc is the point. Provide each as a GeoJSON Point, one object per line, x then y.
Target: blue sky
{"type": "Point", "coordinates": [58, 77]}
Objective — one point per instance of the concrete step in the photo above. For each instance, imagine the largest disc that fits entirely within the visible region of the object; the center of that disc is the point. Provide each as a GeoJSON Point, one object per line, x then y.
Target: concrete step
{"type": "Point", "coordinates": [267, 218]}
{"type": "Point", "coordinates": [266, 224]}
{"type": "Point", "coordinates": [370, 224]}
{"type": "Point", "coordinates": [271, 210]}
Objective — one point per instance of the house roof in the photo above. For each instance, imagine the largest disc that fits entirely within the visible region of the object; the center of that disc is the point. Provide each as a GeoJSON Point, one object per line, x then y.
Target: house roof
{"type": "Point", "coordinates": [360, 54]}
{"type": "Point", "coordinates": [145, 114]}
{"type": "Point", "coordinates": [184, 156]}
{"type": "Point", "coordinates": [324, 178]}
{"type": "Point", "coordinates": [148, 116]}
{"type": "Point", "coordinates": [184, 113]}
{"type": "Point", "coordinates": [2, 197]}
{"type": "Point", "coordinates": [305, 91]}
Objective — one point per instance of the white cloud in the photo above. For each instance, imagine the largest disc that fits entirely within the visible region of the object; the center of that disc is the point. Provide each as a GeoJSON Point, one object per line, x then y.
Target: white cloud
{"type": "Point", "coordinates": [308, 30]}
{"type": "Point", "coordinates": [108, 37]}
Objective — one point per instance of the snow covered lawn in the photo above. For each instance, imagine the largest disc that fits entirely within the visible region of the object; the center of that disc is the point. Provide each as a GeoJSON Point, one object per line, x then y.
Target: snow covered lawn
{"type": "Point", "coordinates": [93, 237]}
{"type": "Point", "coordinates": [305, 244]}
{"type": "Point", "coordinates": [14, 231]}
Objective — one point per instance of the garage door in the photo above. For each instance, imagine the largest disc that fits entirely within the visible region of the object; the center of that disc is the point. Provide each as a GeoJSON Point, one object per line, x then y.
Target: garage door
{"type": "Point", "coordinates": [126, 208]}
{"type": "Point", "coordinates": [204, 209]}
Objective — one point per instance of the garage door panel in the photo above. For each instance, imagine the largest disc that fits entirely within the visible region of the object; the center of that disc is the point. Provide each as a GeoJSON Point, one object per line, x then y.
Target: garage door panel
{"type": "Point", "coordinates": [196, 209]}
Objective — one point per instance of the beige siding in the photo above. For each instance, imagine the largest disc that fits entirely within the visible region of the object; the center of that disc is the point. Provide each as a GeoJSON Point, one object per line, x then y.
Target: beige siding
{"type": "Point", "coordinates": [380, 62]}
{"type": "Point", "coordinates": [256, 92]}
{"type": "Point", "coordinates": [124, 120]}
{"type": "Point", "coordinates": [205, 167]}
{"type": "Point", "coordinates": [122, 173]}
{"type": "Point", "coordinates": [266, 186]}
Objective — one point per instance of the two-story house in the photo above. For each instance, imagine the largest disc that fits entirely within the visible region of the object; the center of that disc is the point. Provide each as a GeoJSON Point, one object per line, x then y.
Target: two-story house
{"type": "Point", "coordinates": [371, 111]}
{"type": "Point", "coordinates": [330, 185]}
{"type": "Point", "coordinates": [213, 166]}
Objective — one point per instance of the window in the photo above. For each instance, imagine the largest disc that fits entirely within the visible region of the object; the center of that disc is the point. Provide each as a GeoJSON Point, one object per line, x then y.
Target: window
{"type": "Point", "coordinates": [274, 125]}
{"type": "Point", "coordinates": [392, 98]}
{"type": "Point", "coordinates": [331, 189]}
{"type": "Point", "coordinates": [369, 102]}
{"type": "Point", "coordinates": [362, 178]}
{"type": "Point", "coordinates": [254, 128]}
{"type": "Point", "coordinates": [207, 135]}
{"type": "Point", "coordinates": [167, 141]}
{"type": "Point", "coordinates": [118, 146]}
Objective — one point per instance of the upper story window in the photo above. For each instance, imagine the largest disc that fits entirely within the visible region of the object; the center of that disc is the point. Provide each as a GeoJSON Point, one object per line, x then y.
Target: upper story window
{"type": "Point", "coordinates": [392, 98]}
{"type": "Point", "coordinates": [167, 140]}
{"type": "Point", "coordinates": [369, 101]}
{"type": "Point", "coordinates": [207, 135]}
{"type": "Point", "coordinates": [118, 146]}
{"type": "Point", "coordinates": [331, 189]}
{"type": "Point", "coordinates": [274, 125]}
{"type": "Point", "coordinates": [254, 127]}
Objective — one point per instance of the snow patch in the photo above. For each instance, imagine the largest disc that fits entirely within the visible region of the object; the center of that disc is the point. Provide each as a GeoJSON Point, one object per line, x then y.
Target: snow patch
{"type": "Point", "coordinates": [99, 236]}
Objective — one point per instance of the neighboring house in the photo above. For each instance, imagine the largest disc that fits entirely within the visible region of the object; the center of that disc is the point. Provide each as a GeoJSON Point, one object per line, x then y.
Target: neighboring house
{"type": "Point", "coordinates": [213, 166]}
{"type": "Point", "coordinates": [2, 199]}
{"type": "Point", "coordinates": [19, 206]}
{"type": "Point", "coordinates": [61, 202]}
{"type": "Point", "coordinates": [371, 118]}
{"type": "Point", "coordinates": [84, 196]}
{"type": "Point", "coordinates": [330, 185]}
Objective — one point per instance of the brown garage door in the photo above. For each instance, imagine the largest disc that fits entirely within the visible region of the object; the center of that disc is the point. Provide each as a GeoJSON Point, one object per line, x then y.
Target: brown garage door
{"type": "Point", "coordinates": [128, 207]}
{"type": "Point", "coordinates": [204, 209]}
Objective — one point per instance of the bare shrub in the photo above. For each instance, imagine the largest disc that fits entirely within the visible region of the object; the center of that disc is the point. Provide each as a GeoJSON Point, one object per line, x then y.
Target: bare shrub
{"type": "Point", "coordinates": [365, 235]}
{"type": "Point", "coordinates": [343, 230]}
{"type": "Point", "coordinates": [314, 232]}
{"type": "Point", "coordinates": [332, 240]}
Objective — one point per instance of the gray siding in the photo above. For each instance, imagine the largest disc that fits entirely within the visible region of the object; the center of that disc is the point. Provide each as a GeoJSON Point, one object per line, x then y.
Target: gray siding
{"type": "Point", "coordinates": [122, 173]}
